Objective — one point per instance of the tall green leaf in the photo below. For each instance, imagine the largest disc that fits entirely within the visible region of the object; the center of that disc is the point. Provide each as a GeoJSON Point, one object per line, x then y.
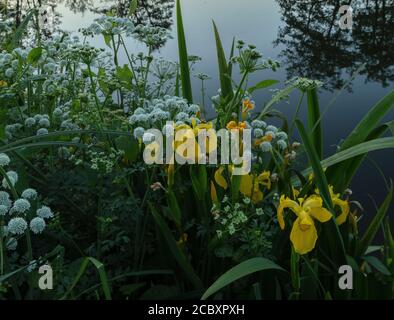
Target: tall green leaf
{"type": "Point", "coordinates": [360, 134]}
{"type": "Point", "coordinates": [183, 56]}
{"type": "Point", "coordinates": [314, 123]}
{"type": "Point", "coordinates": [353, 152]}
{"type": "Point", "coordinates": [374, 226]}
{"type": "Point", "coordinates": [177, 253]}
{"type": "Point", "coordinates": [239, 271]}
{"type": "Point", "coordinates": [224, 75]}
{"type": "Point", "coordinates": [337, 246]}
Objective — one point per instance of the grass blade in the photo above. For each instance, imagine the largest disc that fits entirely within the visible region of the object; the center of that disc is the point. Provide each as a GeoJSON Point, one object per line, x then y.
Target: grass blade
{"type": "Point", "coordinates": [183, 56]}
{"type": "Point", "coordinates": [102, 274]}
{"type": "Point", "coordinates": [360, 149]}
{"type": "Point", "coordinates": [239, 271]}
{"type": "Point", "coordinates": [337, 247]}
{"type": "Point", "coordinates": [177, 253]}
{"type": "Point", "coordinates": [375, 224]}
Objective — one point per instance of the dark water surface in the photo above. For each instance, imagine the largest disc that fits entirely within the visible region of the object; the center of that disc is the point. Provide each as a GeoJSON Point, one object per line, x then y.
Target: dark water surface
{"type": "Point", "coordinates": [303, 35]}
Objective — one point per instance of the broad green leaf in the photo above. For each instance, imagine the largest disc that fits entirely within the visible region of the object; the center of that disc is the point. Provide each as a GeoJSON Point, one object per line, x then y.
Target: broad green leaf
{"type": "Point", "coordinates": [125, 75]}
{"type": "Point", "coordinates": [377, 264]}
{"type": "Point", "coordinates": [129, 145]}
{"type": "Point", "coordinates": [239, 271]}
{"type": "Point", "coordinates": [183, 56]}
{"type": "Point", "coordinates": [224, 75]}
{"type": "Point", "coordinates": [34, 55]}
{"type": "Point", "coordinates": [107, 39]}
{"type": "Point", "coordinates": [263, 84]}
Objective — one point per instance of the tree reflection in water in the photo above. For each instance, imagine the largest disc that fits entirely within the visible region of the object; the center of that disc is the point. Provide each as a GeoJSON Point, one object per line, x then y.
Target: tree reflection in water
{"type": "Point", "coordinates": [149, 12]}
{"type": "Point", "coordinates": [315, 46]}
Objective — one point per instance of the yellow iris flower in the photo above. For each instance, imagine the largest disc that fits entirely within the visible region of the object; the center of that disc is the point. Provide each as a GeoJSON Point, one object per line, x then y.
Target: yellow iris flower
{"type": "Point", "coordinates": [234, 125]}
{"type": "Point", "coordinates": [3, 83]}
{"type": "Point", "coordinates": [250, 185]}
{"type": "Point", "coordinates": [303, 233]}
{"type": "Point", "coordinates": [190, 133]}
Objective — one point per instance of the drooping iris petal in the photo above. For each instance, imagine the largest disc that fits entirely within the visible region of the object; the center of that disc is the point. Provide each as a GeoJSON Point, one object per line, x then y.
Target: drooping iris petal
{"type": "Point", "coordinates": [303, 240]}
{"type": "Point", "coordinates": [214, 196]}
{"type": "Point", "coordinates": [220, 180]}
{"type": "Point", "coordinates": [321, 214]}
{"type": "Point", "coordinates": [286, 202]}
{"type": "Point", "coordinates": [249, 187]}
{"type": "Point", "coordinates": [246, 185]}
{"type": "Point", "coordinates": [344, 205]}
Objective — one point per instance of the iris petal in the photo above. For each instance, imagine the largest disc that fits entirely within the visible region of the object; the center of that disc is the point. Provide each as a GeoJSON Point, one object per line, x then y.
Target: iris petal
{"type": "Point", "coordinates": [303, 240]}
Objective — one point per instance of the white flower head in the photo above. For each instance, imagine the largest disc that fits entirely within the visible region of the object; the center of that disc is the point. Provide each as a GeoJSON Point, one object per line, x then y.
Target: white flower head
{"type": "Point", "coordinates": [37, 225]}
{"type": "Point", "coordinates": [13, 177]}
{"type": "Point", "coordinates": [17, 226]}
{"type": "Point", "coordinates": [282, 144]}
{"type": "Point", "coordinates": [3, 210]}
{"type": "Point", "coordinates": [266, 146]}
{"type": "Point", "coordinates": [139, 132]}
{"type": "Point", "coordinates": [29, 122]}
{"type": "Point", "coordinates": [42, 131]}
{"type": "Point", "coordinates": [29, 194]}
{"type": "Point", "coordinates": [148, 137]}
{"type": "Point", "coordinates": [4, 160]}
{"type": "Point", "coordinates": [21, 206]}
{"type": "Point", "coordinates": [5, 199]}
{"type": "Point", "coordinates": [45, 212]}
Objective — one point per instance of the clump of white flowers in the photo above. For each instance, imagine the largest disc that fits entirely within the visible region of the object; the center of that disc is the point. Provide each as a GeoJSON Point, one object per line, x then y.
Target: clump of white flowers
{"type": "Point", "coordinates": [110, 26]}
{"type": "Point", "coordinates": [18, 214]}
{"type": "Point", "coordinates": [269, 136]}
{"type": "Point", "coordinates": [157, 112]}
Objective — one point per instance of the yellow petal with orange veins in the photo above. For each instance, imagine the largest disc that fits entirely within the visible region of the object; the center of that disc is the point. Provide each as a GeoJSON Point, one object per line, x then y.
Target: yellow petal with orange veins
{"type": "Point", "coordinates": [303, 239]}
{"type": "Point", "coordinates": [220, 180]}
